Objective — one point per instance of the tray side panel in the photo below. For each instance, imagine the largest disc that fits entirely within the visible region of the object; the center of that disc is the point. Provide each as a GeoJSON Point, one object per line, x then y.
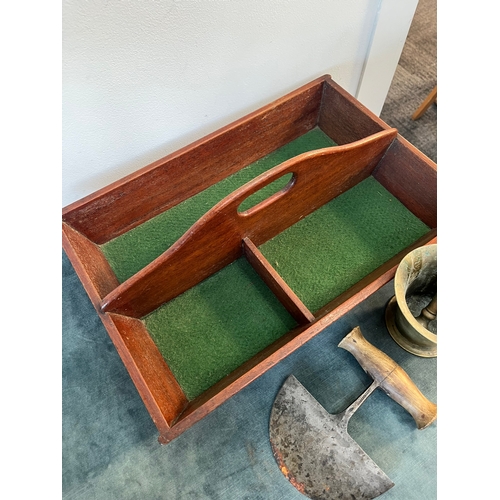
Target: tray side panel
{"type": "Point", "coordinates": [138, 197]}
{"type": "Point", "coordinates": [90, 264]}
{"type": "Point", "coordinates": [344, 118]}
{"type": "Point", "coordinates": [412, 178]}
{"type": "Point", "coordinates": [154, 380]}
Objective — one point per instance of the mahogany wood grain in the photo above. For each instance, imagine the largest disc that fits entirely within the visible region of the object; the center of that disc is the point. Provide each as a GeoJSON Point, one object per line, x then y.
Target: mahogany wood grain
{"type": "Point", "coordinates": [275, 282]}
{"type": "Point", "coordinates": [412, 178]}
{"type": "Point", "coordinates": [215, 240]}
{"type": "Point", "coordinates": [153, 189]}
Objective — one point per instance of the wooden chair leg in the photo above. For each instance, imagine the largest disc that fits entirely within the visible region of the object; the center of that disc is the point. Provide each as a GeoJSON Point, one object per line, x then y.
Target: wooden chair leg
{"type": "Point", "coordinates": [430, 99]}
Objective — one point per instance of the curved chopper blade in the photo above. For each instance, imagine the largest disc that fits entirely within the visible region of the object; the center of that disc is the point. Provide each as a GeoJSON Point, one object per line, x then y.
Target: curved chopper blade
{"type": "Point", "coordinates": [315, 452]}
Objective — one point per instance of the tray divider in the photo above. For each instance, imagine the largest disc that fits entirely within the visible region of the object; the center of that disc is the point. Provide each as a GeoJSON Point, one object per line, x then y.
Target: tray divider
{"type": "Point", "coordinates": [277, 285]}
{"type": "Point", "coordinates": [214, 241]}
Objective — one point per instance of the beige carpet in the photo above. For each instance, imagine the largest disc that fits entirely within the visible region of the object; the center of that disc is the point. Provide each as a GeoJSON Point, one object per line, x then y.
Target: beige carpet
{"type": "Point", "coordinates": [415, 77]}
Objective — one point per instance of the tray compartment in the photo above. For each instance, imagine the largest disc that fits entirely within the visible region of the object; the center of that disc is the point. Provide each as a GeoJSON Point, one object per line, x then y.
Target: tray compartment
{"type": "Point", "coordinates": [211, 329]}
{"type": "Point", "coordinates": [326, 253]}
{"type": "Point", "coordinates": [320, 107]}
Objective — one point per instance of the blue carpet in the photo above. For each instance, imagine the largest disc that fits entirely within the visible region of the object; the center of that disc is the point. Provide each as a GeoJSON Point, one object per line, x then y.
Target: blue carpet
{"type": "Point", "coordinates": [109, 442]}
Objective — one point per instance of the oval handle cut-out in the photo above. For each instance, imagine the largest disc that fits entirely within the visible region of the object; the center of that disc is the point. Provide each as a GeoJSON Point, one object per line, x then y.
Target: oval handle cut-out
{"type": "Point", "coordinates": [267, 194]}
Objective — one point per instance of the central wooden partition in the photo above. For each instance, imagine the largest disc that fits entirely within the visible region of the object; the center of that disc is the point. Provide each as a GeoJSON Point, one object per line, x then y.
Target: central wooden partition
{"type": "Point", "coordinates": [366, 147]}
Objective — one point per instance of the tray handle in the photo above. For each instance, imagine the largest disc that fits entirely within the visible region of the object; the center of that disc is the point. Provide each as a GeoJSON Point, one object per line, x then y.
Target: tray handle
{"type": "Point", "coordinates": [215, 240]}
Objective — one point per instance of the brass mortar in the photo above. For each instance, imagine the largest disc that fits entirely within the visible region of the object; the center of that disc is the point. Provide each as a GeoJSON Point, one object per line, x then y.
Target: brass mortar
{"type": "Point", "coordinates": [410, 315]}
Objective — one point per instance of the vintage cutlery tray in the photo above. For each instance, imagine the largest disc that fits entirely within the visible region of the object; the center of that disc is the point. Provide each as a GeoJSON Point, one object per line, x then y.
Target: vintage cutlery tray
{"type": "Point", "coordinates": [212, 264]}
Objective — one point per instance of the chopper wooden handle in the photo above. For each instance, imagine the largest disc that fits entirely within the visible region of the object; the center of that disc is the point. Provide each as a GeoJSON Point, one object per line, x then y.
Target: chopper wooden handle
{"type": "Point", "coordinates": [395, 382]}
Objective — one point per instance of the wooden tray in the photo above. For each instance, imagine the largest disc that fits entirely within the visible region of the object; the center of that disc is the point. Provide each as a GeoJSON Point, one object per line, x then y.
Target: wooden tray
{"type": "Point", "coordinates": [364, 149]}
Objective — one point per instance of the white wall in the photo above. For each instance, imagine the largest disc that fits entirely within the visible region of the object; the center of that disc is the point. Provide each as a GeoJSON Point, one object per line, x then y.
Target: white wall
{"type": "Point", "coordinates": [142, 78]}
